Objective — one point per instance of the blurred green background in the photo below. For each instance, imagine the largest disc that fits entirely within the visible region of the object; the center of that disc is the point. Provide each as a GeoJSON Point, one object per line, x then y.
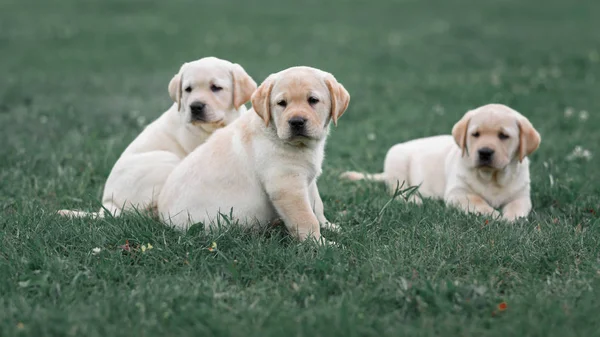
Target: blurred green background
{"type": "Point", "coordinates": [80, 79]}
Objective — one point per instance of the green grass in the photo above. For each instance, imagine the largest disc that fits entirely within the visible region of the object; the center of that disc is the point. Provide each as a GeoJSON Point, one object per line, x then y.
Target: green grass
{"type": "Point", "coordinates": [79, 79]}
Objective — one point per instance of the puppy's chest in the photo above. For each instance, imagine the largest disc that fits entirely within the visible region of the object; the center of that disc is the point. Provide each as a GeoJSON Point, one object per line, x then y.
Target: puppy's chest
{"type": "Point", "coordinates": [496, 195]}
{"type": "Point", "coordinates": [301, 160]}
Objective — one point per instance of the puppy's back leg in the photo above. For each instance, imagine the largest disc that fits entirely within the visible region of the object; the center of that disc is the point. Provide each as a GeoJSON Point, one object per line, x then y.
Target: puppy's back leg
{"type": "Point", "coordinates": [355, 176]}
{"type": "Point", "coordinates": [110, 208]}
{"type": "Point", "coordinates": [79, 214]}
{"type": "Point", "coordinates": [397, 171]}
{"type": "Point", "coordinates": [107, 208]}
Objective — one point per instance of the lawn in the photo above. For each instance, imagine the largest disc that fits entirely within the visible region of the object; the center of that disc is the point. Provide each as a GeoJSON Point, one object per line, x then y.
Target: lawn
{"type": "Point", "coordinates": [80, 79]}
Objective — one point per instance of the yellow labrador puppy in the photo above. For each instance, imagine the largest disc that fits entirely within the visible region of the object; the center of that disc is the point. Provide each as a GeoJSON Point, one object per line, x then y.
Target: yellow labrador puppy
{"type": "Point", "coordinates": [265, 165]}
{"type": "Point", "coordinates": [209, 93]}
{"type": "Point", "coordinates": [480, 168]}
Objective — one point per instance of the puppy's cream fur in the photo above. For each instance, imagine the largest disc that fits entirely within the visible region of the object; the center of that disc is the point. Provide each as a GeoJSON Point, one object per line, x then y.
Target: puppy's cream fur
{"type": "Point", "coordinates": [258, 169]}
{"type": "Point", "coordinates": [139, 174]}
{"type": "Point", "coordinates": [450, 167]}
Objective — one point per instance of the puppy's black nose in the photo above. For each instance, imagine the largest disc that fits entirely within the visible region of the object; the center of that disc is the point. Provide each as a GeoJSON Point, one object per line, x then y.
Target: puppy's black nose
{"type": "Point", "coordinates": [197, 106]}
{"type": "Point", "coordinates": [485, 154]}
{"type": "Point", "coordinates": [197, 109]}
{"type": "Point", "coordinates": [297, 123]}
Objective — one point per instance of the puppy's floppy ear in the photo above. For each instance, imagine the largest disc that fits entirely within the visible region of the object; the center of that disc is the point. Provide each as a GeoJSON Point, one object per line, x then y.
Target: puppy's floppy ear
{"type": "Point", "coordinates": [459, 132]}
{"type": "Point", "coordinates": [529, 138]}
{"type": "Point", "coordinates": [243, 85]}
{"type": "Point", "coordinates": [175, 90]}
{"type": "Point", "coordinates": [340, 98]}
{"type": "Point", "coordinates": [261, 99]}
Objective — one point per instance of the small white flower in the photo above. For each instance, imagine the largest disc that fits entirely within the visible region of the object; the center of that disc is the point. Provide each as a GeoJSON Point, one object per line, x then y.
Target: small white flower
{"type": "Point", "coordinates": [578, 153]}
{"type": "Point", "coordinates": [583, 115]}
{"type": "Point", "coordinates": [96, 251]}
{"type": "Point", "coordinates": [141, 121]}
{"type": "Point", "coordinates": [569, 112]}
{"type": "Point", "coordinates": [495, 79]}
{"type": "Point", "coordinates": [371, 136]}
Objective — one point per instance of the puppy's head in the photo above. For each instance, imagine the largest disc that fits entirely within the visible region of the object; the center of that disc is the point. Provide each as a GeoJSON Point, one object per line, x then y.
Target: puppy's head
{"type": "Point", "coordinates": [300, 102]}
{"type": "Point", "coordinates": [494, 135]}
{"type": "Point", "coordinates": [209, 91]}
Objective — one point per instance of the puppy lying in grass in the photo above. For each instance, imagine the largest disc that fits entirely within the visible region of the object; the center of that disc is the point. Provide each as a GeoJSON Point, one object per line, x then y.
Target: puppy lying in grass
{"type": "Point", "coordinates": [209, 93]}
{"type": "Point", "coordinates": [482, 167]}
{"type": "Point", "coordinates": [265, 165]}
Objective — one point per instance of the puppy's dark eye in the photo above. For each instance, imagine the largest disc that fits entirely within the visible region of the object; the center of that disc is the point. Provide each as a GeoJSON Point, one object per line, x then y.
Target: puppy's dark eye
{"type": "Point", "coordinates": [502, 136]}
{"type": "Point", "coordinates": [188, 89]}
{"type": "Point", "coordinates": [313, 100]}
{"type": "Point", "coordinates": [215, 88]}
{"type": "Point", "coordinates": [475, 134]}
{"type": "Point", "coordinates": [282, 103]}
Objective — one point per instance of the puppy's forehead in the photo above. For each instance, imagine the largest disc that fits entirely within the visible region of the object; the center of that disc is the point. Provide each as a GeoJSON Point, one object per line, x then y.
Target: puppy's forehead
{"type": "Point", "coordinates": [206, 68]}
{"type": "Point", "coordinates": [299, 81]}
{"type": "Point", "coordinates": [493, 118]}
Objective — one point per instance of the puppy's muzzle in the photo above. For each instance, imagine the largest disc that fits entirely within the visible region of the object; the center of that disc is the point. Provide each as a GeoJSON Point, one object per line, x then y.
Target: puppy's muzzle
{"type": "Point", "coordinates": [486, 156]}
{"type": "Point", "coordinates": [297, 126]}
{"type": "Point", "coordinates": [198, 111]}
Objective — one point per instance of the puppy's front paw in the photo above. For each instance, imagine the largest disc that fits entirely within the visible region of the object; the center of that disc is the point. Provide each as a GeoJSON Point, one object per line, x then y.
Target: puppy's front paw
{"type": "Point", "coordinates": [415, 199]}
{"type": "Point", "coordinates": [332, 243]}
{"type": "Point", "coordinates": [331, 226]}
{"type": "Point", "coordinates": [325, 242]}
{"type": "Point", "coordinates": [485, 210]}
{"type": "Point", "coordinates": [495, 214]}
{"type": "Point", "coordinates": [513, 216]}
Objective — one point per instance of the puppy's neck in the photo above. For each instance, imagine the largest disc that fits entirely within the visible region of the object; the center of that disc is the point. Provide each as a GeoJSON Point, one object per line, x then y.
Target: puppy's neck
{"type": "Point", "coordinates": [305, 144]}
{"type": "Point", "coordinates": [499, 177]}
{"type": "Point", "coordinates": [185, 134]}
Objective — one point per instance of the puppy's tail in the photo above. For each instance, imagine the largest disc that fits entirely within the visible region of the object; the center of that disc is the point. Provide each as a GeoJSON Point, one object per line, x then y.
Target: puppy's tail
{"type": "Point", "coordinates": [355, 176]}
{"type": "Point", "coordinates": [80, 214]}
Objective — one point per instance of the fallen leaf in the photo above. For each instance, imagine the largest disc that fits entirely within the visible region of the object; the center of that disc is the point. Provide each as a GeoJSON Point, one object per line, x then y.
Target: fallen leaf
{"type": "Point", "coordinates": [502, 306]}
{"type": "Point", "coordinates": [126, 246]}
